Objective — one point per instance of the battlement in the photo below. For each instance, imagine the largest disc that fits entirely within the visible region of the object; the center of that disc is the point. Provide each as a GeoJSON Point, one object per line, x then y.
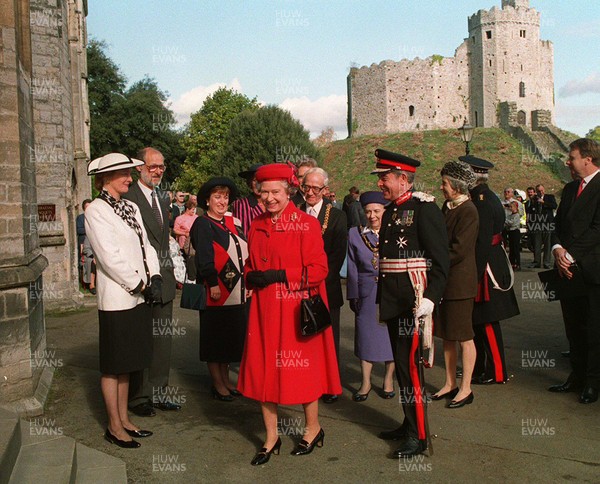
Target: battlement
{"type": "Point", "coordinates": [502, 60]}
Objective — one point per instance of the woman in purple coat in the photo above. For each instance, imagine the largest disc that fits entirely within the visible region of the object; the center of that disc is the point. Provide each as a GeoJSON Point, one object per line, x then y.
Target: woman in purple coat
{"type": "Point", "coordinates": [371, 338]}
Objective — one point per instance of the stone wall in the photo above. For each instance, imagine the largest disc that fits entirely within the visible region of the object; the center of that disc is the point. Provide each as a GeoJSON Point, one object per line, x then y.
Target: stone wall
{"type": "Point", "coordinates": [55, 26]}
{"type": "Point", "coordinates": [22, 330]}
{"type": "Point", "coordinates": [502, 60]}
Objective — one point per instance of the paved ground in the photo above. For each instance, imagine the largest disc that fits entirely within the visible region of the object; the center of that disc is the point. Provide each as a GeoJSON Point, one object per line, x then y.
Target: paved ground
{"type": "Point", "coordinates": [517, 432]}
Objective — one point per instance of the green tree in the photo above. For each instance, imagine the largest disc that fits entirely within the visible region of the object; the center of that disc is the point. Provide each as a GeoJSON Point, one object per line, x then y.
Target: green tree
{"type": "Point", "coordinates": [106, 91]}
{"type": "Point", "coordinates": [126, 120]}
{"type": "Point", "coordinates": [204, 137]}
{"type": "Point", "coordinates": [594, 134]}
{"type": "Point", "coordinates": [269, 134]}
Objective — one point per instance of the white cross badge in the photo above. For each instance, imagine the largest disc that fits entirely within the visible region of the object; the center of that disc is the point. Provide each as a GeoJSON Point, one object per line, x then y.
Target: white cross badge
{"type": "Point", "coordinates": [402, 242]}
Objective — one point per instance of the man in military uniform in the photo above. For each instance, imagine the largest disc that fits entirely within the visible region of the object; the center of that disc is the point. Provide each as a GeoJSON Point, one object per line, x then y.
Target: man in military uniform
{"type": "Point", "coordinates": [495, 299]}
{"type": "Point", "coordinates": [413, 252]}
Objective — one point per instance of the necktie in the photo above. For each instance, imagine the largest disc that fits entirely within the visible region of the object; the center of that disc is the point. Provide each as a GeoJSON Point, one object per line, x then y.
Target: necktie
{"type": "Point", "coordinates": [580, 189]}
{"type": "Point", "coordinates": [313, 212]}
{"type": "Point", "coordinates": [156, 210]}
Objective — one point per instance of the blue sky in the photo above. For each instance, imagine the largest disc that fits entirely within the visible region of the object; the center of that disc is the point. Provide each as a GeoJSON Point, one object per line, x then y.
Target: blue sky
{"type": "Point", "coordinates": [297, 53]}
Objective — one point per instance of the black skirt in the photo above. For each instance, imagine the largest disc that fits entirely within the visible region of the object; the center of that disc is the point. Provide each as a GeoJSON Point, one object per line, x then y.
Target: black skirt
{"type": "Point", "coordinates": [125, 340]}
{"type": "Point", "coordinates": [222, 334]}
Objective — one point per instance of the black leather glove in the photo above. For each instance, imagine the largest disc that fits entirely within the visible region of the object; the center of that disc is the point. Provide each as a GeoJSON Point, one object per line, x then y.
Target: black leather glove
{"type": "Point", "coordinates": [353, 305]}
{"type": "Point", "coordinates": [156, 288]}
{"type": "Point", "coordinates": [265, 278]}
{"type": "Point", "coordinates": [272, 276]}
{"type": "Point", "coordinates": [147, 293]}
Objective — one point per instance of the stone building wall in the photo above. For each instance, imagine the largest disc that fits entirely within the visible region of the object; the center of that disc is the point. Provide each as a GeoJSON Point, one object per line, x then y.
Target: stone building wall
{"type": "Point", "coordinates": [59, 173]}
{"type": "Point", "coordinates": [22, 330]}
{"type": "Point", "coordinates": [502, 60]}
{"type": "Point", "coordinates": [367, 87]}
{"type": "Point", "coordinates": [506, 51]}
{"type": "Point", "coordinates": [43, 132]}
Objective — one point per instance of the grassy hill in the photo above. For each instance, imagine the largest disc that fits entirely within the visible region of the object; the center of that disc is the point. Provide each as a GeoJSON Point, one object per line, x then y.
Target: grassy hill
{"type": "Point", "coordinates": [350, 161]}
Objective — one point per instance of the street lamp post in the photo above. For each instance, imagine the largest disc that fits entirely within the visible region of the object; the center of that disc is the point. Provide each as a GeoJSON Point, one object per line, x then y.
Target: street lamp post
{"type": "Point", "coordinates": [466, 133]}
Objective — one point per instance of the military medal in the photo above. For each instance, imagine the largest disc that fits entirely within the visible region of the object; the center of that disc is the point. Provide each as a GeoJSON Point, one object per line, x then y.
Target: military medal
{"type": "Point", "coordinates": [407, 217]}
{"type": "Point", "coordinates": [402, 242]}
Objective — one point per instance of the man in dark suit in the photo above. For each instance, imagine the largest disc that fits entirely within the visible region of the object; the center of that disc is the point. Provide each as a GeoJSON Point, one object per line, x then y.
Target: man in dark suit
{"type": "Point", "coordinates": [495, 299]}
{"type": "Point", "coordinates": [413, 259]}
{"type": "Point", "coordinates": [301, 168]}
{"type": "Point", "coordinates": [576, 251]}
{"type": "Point", "coordinates": [543, 224]}
{"type": "Point", "coordinates": [147, 388]}
{"type": "Point", "coordinates": [335, 239]}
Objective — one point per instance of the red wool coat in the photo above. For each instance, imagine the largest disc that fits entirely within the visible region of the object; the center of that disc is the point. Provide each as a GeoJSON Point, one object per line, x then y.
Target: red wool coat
{"type": "Point", "coordinates": [280, 365]}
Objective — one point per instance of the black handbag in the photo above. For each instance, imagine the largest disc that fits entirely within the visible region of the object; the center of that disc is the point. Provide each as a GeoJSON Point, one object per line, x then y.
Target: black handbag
{"type": "Point", "coordinates": [314, 315]}
{"type": "Point", "coordinates": [193, 296]}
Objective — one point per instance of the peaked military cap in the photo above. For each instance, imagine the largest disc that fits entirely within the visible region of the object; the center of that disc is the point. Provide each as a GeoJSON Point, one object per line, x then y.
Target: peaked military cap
{"type": "Point", "coordinates": [479, 165]}
{"type": "Point", "coordinates": [387, 161]}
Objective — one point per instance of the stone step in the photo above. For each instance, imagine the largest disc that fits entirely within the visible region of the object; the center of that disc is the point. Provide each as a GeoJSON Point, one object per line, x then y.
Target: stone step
{"type": "Point", "coordinates": [10, 443]}
{"type": "Point", "coordinates": [36, 450]}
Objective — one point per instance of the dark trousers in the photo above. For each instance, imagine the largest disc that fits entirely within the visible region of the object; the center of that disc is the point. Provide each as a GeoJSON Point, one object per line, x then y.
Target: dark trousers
{"type": "Point", "coordinates": [582, 325]}
{"type": "Point", "coordinates": [335, 326]}
{"type": "Point", "coordinates": [542, 239]}
{"type": "Point", "coordinates": [490, 360]}
{"type": "Point", "coordinates": [514, 247]}
{"type": "Point", "coordinates": [146, 384]}
{"type": "Point", "coordinates": [405, 348]}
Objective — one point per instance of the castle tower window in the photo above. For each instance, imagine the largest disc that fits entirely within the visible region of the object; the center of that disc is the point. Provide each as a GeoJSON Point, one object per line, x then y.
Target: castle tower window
{"type": "Point", "coordinates": [522, 33]}
{"type": "Point", "coordinates": [490, 62]}
{"type": "Point", "coordinates": [411, 111]}
{"type": "Point", "coordinates": [488, 34]}
{"type": "Point", "coordinates": [521, 89]}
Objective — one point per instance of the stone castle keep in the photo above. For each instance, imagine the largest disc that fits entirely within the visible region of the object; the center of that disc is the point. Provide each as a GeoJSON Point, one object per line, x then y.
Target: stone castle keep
{"type": "Point", "coordinates": [502, 74]}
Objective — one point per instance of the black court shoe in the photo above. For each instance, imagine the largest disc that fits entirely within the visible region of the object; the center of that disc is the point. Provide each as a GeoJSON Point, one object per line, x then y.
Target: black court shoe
{"type": "Point", "coordinates": [125, 444]}
{"type": "Point", "coordinates": [263, 455]}
{"type": "Point", "coordinates": [139, 433]}
{"type": "Point", "coordinates": [304, 447]}
{"type": "Point", "coordinates": [461, 403]}
{"type": "Point", "coordinates": [222, 398]}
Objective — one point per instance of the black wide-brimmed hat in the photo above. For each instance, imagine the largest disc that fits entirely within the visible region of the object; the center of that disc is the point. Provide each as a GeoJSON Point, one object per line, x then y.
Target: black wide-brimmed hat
{"type": "Point", "coordinates": [216, 181]}
{"type": "Point", "coordinates": [250, 172]}
{"type": "Point", "coordinates": [388, 161]}
{"type": "Point", "coordinates": [479, 165]}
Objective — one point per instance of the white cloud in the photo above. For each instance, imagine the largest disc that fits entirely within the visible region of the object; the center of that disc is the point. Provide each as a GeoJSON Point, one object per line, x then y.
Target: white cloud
{"type": "Point", "coordinates": [191, 101]}
{"type": "Point", "coordinates": [576, 87]}
{"type": "Point", "coordinates": [577, 119]}
{"type": "Point", "coordinates": [317, 115]}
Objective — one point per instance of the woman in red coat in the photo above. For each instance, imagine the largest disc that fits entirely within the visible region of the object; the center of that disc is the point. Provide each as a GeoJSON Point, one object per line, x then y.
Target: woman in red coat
{"type": "Point", "coordinates": [279, 365]}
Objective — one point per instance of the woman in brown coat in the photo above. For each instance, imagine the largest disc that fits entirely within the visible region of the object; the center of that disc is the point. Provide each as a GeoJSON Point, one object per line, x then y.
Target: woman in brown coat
{"type": "Point", "coordinates": [462, 224]}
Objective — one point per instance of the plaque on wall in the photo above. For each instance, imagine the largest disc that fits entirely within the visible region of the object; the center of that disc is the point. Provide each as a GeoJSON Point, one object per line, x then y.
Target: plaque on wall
{"type": "Point", "coordinates": [47, 212]}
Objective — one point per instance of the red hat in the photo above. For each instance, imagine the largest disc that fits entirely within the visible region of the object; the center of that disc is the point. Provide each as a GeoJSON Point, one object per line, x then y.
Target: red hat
{"type": "Point", "coordinates": [277, 171]}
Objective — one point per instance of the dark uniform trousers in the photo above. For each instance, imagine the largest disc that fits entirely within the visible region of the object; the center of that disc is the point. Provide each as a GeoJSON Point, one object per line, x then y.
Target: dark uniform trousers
{"type": "Point", "coordinates": [489, 345]}
{"type": "Point", "coordinates": [405, 348]}
{"type": "Point", "coordinates": [582, 325]}
{"type": "Point", "coordinates": [145, 385]}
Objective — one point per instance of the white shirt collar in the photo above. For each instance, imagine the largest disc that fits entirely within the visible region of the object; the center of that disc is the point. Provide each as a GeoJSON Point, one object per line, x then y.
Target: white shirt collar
{"type": "Point", "coordinates": [148, 194]}
{"type": "Point", "coordinates": [316, 207]}
{"type": "Point", "coordinates": [589, 178]}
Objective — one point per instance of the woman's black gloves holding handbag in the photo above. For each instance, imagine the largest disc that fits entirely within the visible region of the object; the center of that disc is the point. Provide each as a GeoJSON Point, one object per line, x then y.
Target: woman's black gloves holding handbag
{"type": "Point", "coordinates": [153, 292]}
{"type": "Point", "coordinates": [265, 278]}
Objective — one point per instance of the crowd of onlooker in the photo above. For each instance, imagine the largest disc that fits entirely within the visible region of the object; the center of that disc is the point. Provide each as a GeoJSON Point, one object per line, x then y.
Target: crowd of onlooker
{"type": "Point", "coordinates": [529, 222]}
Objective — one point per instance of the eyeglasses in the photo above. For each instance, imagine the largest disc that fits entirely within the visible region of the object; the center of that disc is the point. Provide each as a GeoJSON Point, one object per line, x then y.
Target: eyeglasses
{"type": "Point", "coordinates": [153, 168]}
{"type": "Point", "coordinates": [315, 190]}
